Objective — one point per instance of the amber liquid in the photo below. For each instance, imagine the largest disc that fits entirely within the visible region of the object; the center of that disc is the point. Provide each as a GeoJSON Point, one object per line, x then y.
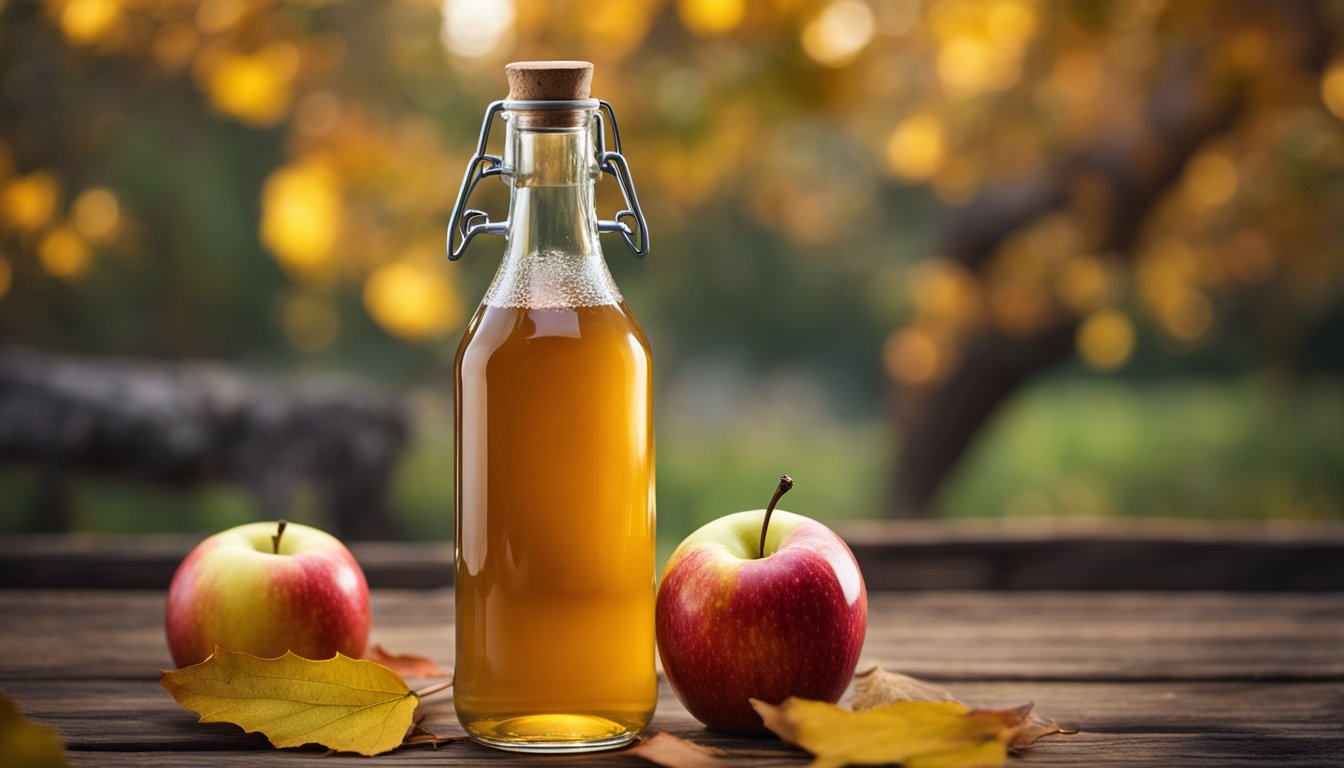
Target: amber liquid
{"type": "Point", "coordinates": [555, 528]}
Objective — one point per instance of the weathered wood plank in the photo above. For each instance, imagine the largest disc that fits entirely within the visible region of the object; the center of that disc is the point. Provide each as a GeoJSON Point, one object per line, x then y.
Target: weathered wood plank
{"type": "Point", "coordinates": [134, 715]}
{"type": "Point", "coordinates": [1098, 554]}
{"type": "Point", "coordinates": [951, 635]}
{"type": "Point", "coordinates": [127, 722]}
{"type": "Point", "coordinates": [1183, 678]}
{"type": "Point", "coordinates": [1053, 554]}
{"type": "Point", "coordinates": [1217, 750]}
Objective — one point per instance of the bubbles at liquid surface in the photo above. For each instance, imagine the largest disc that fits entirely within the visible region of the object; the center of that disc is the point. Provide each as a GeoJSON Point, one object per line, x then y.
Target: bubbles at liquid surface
{"type": "Point", "coordinates": [553, 280]}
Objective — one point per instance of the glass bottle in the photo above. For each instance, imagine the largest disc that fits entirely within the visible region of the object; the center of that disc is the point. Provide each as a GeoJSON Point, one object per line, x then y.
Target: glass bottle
{"type": "Point", "coordinates": [554, 546]}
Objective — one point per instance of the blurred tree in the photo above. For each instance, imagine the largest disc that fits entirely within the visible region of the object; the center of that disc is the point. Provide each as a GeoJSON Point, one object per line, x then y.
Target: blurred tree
{"type": "Point", "coordinates": [271, 178]}
{"type": "Point", "coordinates": [1029, 269]}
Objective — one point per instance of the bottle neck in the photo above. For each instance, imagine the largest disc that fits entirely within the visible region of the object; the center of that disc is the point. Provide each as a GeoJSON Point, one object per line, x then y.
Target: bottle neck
{"type": "Point", "coordinates": [551, 209]}
{"type": "Point", "coordinates": [553, 257]}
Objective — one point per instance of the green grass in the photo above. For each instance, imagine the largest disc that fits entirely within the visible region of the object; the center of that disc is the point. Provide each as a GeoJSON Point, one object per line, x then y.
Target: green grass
{"type": "Point", "coordinates": [1189, 448]}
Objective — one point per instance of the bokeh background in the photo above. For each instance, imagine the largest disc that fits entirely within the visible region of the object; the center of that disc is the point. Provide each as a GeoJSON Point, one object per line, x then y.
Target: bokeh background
{"type": "Point", "coordinates": [940, 258]}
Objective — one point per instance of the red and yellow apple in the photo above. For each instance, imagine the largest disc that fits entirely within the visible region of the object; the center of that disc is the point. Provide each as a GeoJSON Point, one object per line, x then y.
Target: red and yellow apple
{"type": "Point", "coordinates": [755, 607]}
{"type": "Point", "coordinates": [265, 589]}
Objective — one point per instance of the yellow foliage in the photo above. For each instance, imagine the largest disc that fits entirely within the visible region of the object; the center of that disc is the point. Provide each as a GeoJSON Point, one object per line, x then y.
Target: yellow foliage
{"type": "Point", "coordinates": [174, 45]}
{"type": "Point", "coordinates": [945, 293]}
{"type": "Point", "coordinates": [88, 21]}
{"type": "Point", "coordinates": [216, 16]}
{"type": "Point", "coordinates": [301, 213]}
{"type": "Point", "coordinates": [614, 30]}
{"type": "Point", "coordinates": [64, 254]}
{"type": "Point", "coordinates": [915, 148]}
{"type": "Point", "coordinates": [839, 33]}
{"type": "Point", "coordinates": [915, 356]}
{"type": "Point", "coordinates": [412, 301]}
{"type": "Point", "coordinates": [1185, 313]}
{"type": "Point", "coordinates": [1105, 340]}
{"type": "Point", "coordinates": [916, 734]}
{"type": "Point", "coordinates": [97, 215]}
{"type": "Point", "coordinates": [6, 276]}
{"type": "Point", "coordinates": [1332, 89]}
{"type": "Point", "coordinates": [981, 43]}
{"type": "Point", "coordinates": [476, 28]}
{"type": "Point", "coordinates": [28, 201]}
{"type": "Point", "coordinates": [711, 17]}
{"type": "Point", "coordinates": [1210, 180]}
{"type": "Point", "coordinates": [255, 88]}
{"type": "Point", "coordinates": [341, 703]}
{"type": "Point", "coordinates": [1082, 282]}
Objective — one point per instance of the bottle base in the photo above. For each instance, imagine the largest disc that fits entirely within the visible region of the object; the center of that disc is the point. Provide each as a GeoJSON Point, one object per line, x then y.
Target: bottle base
{"type": "Point", "coordinates": [551, 734]}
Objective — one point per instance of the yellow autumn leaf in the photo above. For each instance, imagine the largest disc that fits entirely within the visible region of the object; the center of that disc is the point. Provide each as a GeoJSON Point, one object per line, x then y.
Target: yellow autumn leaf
{"type": "Point", "coordinates": [917, 734]}
{"type": "Point", "coordinates": [878, 687]}
{"type": "Point", "coordinates": [345, 704]}
{"type": "Point", "coordinates": [26, 745]}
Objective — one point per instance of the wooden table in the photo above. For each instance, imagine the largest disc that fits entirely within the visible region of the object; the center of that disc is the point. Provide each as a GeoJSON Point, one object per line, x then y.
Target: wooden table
{"type": "Point", "coordinates": [1151, 678]}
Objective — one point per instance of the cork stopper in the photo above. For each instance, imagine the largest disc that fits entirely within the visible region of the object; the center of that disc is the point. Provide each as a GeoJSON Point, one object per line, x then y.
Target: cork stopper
{"type": "Point", "coordinates": [549, 80]}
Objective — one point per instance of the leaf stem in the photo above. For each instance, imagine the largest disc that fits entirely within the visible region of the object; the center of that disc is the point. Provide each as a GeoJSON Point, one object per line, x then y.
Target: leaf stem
{"type": "Point", "coordinates": [785, 485]}
{"type": "Point", "coordinates": [433, 689]}
{"type": "Point", "coordinates": [275, 540]}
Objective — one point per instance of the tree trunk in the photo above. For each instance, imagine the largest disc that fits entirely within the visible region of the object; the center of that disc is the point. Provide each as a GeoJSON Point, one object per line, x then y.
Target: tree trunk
{"type": "Point", "coordinates": [1132, 171]}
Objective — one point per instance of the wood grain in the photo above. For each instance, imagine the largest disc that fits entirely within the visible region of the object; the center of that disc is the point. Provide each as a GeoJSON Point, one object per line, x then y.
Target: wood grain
{"type": "Point", "coordinates": [1152, 678]}
{"type": "Point", "coordinates": [949, 635]}
{"type": "Point", "coordinates": [139, 717]}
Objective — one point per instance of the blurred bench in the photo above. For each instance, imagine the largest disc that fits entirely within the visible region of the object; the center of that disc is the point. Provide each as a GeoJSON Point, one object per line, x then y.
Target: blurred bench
{"type": "Point", "coordinates": [195, 422]}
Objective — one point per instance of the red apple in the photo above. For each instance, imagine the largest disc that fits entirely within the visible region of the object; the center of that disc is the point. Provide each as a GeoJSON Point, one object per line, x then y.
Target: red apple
{"type": "Point", "coordinates": [265, 589]}
{"type": "Point", "coordinates": [743, 614]}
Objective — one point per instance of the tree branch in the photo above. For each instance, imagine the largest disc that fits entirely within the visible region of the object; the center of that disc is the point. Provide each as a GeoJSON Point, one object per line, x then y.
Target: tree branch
{"type": "Point", "coordinates": [1133, 168]}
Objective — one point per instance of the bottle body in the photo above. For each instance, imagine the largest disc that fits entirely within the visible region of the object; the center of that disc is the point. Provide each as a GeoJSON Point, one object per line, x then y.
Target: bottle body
{"type": "Point", "coordinates": [554, 483]}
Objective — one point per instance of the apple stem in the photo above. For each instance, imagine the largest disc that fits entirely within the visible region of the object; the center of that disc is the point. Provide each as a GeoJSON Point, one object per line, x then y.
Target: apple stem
{"type": "Point", "coordinates": [785, 485]}
{"type": "Point", "coordinates": [275, 540]}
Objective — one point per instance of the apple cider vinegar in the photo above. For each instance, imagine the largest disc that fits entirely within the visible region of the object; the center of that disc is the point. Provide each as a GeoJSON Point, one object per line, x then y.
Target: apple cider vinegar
{"type": "Point", "coordinates": [555, 535]}
{"type": "Point", "coordinates": [554, 452]}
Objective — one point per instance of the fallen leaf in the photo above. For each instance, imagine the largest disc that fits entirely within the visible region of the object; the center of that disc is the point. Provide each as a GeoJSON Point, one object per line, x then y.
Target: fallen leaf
{"type": "Point", "coordinates": [986, 754]}
{"type": "Point", "coordinates": [673, 752]}
{"type": "Point", "coordinates": [1034, 728]}
{"type": "Point", "coordinates": [349, 705]}
{"type": "Point", "coordinates": [917, 734]}
{"type": "Point", "coordinates": [427, 738]}
{"type": "Point", "coordinates": [420, 736]}
{"type": "Point", "coordinates": [878, 687]}
{"type": "Point", "coordinates": [405, 664]}
{"type": "Point", "coordinates": [25, 744]}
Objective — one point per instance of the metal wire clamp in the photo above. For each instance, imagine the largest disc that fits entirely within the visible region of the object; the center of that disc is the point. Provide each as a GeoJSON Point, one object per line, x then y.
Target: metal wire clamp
{"type": "Point", "coordinates": [466, 223]}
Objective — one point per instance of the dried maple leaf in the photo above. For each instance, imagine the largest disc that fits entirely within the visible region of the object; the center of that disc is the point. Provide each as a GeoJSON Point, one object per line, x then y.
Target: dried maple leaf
{"type": "Point", "coordinates": [405, 664]}
{"type": "Point", "coordinates": [349, 705]}
{"type": "Point", "coordinates": [917, 734]}
{"type": "Point", "coordinates": [877, 687]}
{"type": "Point", "coordinates": [673, 752]}
{"type": "Point", "coordinates": [23, 743]}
